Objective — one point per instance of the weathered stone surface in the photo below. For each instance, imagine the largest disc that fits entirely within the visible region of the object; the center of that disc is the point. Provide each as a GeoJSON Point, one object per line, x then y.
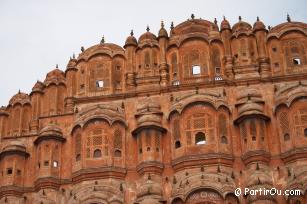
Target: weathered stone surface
{"type": "Point", "coordinates": [186, 116]}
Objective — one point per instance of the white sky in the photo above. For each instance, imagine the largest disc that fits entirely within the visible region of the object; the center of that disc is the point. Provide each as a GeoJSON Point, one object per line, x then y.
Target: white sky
{"type": "Point", "coordinates": [37, 35]}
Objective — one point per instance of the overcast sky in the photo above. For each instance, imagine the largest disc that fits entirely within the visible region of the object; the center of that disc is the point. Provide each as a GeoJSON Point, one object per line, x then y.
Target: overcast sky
{"type": "Point", "coordinates": [37, 35]}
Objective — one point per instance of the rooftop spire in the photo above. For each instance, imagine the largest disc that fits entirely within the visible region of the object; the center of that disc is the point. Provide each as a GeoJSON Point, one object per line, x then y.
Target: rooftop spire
{"type": "Point", "coordinates": [288, 18]}
{"type": "Point", "coordinates": [73, 56]}
{"type": "Point", "coordinates": [215, 21]}
{"type": "Point", "coordinates": [102, 40]}
{"type": "Point", "coordinates": [57, 66]}
{"type": "Point", "coordinates": [172, 25]}
{"type": "Point", "coordinates": [162, 24]}
{"type": "Point", "coordinates": [147, 29]}
{"type": "Point", "coordinates": [82, 49]}
{"type": "Point", "coordinates": [131, 33]}
{"type": "Point", "coordinates": [192, 16]}
{"type": "Point", "coordinates": [224, 18]}
{"type": "Point", "coordinates": [257, 18]}
{"type": "Point", "coordinates": [240, 18]}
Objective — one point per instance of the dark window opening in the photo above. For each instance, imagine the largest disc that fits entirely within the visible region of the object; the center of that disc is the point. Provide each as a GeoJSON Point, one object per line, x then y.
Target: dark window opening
{"type": "Point", "coordinates": [9, 171]}
{"type": "Point", "coordinates": [236, 55]}
{"type": "Point", "coordinates": [18, 172]}
{"type": "Point", "coordinates": [224, 140]}
{"type": "Point", "coordinates": [117, 153]}
{"type": "Point", "coordinates": [274, 49]}
{"type": "Point", "coordinates": [296, 61]}
{"type": "Point", "coordinates": [276, 64]}
{"type": "Point", "coordinates": [245, 140]}
{"type": "Point", "coordinates": [140, 150]}
{"type": "Point", "coordinates": [117, 67]}
{"type": "Point", "coordinates": [244, 54]}
{"type": "Point", "coordinates": [286, 137]}
{"type": "Point", "coordinates": [78, 157]}
{"type": "Point", "coordinates": [99, 84]}
{"type": "Point", "coordinates": [177, 144]}
{"type": "Point", "coordinates": [262, 139]}
{"type": "Point", "coordinates": [39, 165]}
{"type": "Point", "coordinates": [148, 149]}
{"type": "Point", "coordinates": [82, 86]}
{"type": "Point", "coordinates": [97, 153]}
{"type": "Point", "coordinates": [254, 138]}
{"type": "Point", "coordinates": [157, 149]}
{"type": "Point", "coordinates": [200, 138]}
{"type": "Point", "coordinates": [46, 163]}
{"type": "Point", "coordinates": [305, 132]}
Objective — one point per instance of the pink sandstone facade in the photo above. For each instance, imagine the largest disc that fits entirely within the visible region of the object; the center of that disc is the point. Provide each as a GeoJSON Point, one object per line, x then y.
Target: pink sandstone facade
{"type": "Point", "coordinates": [186, 116]}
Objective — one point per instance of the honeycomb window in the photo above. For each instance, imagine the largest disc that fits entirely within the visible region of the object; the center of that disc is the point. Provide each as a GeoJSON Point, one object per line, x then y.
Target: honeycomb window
{"type": "Point", "coordinates": [296, 61]}
{"type": "Point", "coordinates": [46, 163]}
{"type": "Point", "coordinates": [177, 144]}
{"type": "Point", "coordinates": [196, 70]}
{"type": "Point", "coordinates": [99, 84]}
{"type": "Point", "coordinates": [176, 83]}
{"type": "Point", "coordinates": [97, 153]}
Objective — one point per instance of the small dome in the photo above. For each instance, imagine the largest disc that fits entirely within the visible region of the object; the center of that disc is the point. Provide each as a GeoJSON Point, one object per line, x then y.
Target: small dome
{"type": "Point", "coordinates": [72, 63]}
{"type": "Point", "coordinates": [3, 111]}
{"type": "Point", "coordinates": [225, 25]}
{"type": "Point", "coordinates": [241, 26]}
{"type": "Point", "coordinates": [259, 25]}
{"type": "Point", "coordinates": [162, 31]}
{"type": "Point", "coordinates": [38, 87]}
{"type": "Point", "coordinates": [110, 49]}
{"type": "Point", "coordinates": [147, 37]}
{"type": "Point", "coordinates": [21, 98]}
{"type": "Point", "coordinates": [51, 129]}
{"type": "Point", "coordinates": [55, 76]}
{"type": "Point", "coordinates": [131, 40]}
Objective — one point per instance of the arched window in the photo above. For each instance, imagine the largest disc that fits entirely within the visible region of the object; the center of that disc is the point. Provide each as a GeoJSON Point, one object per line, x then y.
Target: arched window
{"type": "Point", "coordinates": [253, 130]}
{"type": "Point", "coordinates": [286, 137]}
{"type": "Point", "coordinates": [78, 157]}
{"type": "Point", "coordinates": [117, 139]}
{"type": "Point", "coordinates": [200, 138]}
{"type": "Point", "coordinates": [97, 153]}
{"type": "Point", "coordinates": [177, 144]}
{"type": "Point", "coordinates": [147, 59]}
{"type": "Point", "coordinates": [117, 153]}
{"type": "Point", "coordinates": [224, 140]}
{"type": "Point", "coordinates": [78, 147]}
{"type": "Point", "coordinates": [305, 132]}
{"type": "Point", "coordinates": [55, 164]}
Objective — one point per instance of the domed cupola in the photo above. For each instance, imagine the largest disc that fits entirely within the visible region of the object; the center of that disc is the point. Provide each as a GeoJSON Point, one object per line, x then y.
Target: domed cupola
{"type": "Point", "coordinates": [162, 31]}
{"type": "Point", "coordinates": [21, 98]}
{"type": "Point", "coordinates": [131, 40]}
{"type": "Point", "coordinates": [56, 76]}
{"type": "Point", "coordinates": [148, 38]}
{"type": "Point", "coordinates": [214, 33]}
{"type": "Point", "coordinates": [3, 111]}
{"type": "Point", "coordinates": [225, 24]}
{"type": "Point", "coordinates": [71, 64]}
{"type": "Point", "coordinates": [13, 147]}
{"type": "Point", "coordinates": [241, 27]}
{"type": "Point", "coordinates": [50, 132]}
{"type": "Point", "coordinates": [38, 87]}
{"type": "Point", "coordinates": [258, 25]}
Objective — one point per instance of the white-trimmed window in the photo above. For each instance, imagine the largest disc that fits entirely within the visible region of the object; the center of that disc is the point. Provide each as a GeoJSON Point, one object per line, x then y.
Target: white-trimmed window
{"type": "Point", "coordinates": [99, 84]}
{"type": "Point", "coordinates": [195, 69]}
{"type": "Point", "coordinates": [296, 61]}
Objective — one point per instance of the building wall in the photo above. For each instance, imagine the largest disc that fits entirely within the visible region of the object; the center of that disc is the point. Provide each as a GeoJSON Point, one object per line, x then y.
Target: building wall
{"type": "Point", "coordinates": [184, 117]}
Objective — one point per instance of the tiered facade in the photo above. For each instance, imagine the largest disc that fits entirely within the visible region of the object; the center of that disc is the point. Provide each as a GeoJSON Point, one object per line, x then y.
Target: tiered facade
{"type": "Point", "coordinates": [183, 117]}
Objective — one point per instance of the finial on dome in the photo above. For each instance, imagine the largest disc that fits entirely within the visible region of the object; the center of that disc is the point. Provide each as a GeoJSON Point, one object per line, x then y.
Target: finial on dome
{"type": "Point", "coordinates": [224, 18]}
{"type": "Point", "coordinates": [19, 91]}
{"type": "Point", "coordinates": [131, 33]}
{"type": "Point", "coordinates": [215, 21]}
{"type": "Point", "coordinates": [192, 16]}
{"type": "Point", "coordinates": [82, 49]}
{"type": "Point", "coordinates": [70, 58]}
{"type": "Point", "coordinates": [162, 24]}
{"type": "Point", "coordinates": [57, 66]}
{"type": "Point", "coordinates": [73, 56]}
{"type": "Point", "coordinates": [147, 29]}
{"type": "Point", "coordinates": [269, 27]}
{"type": "Point", "coordinates": [258, 18]}
{"type": "Point", "coordinates": [240, 18]}
{"type": "Point", "coordinates": [288, 18]}
{"type": "Point", "coordinates": [172, 25]}
{"type": "Point", "coordinates": [102, 40]}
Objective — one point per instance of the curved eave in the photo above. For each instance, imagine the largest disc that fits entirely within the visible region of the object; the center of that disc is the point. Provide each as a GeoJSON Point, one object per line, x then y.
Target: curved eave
{"type": "Point", "coordinates": [70, 69]}
{"type": "Point", "coordinates": [252, 115]}
{"type": "Point", "coordinates": [143, 127]}
{"type": "Point", "coordinates": [13, 152]}
{"type": "Point", "coordinates": [41, 138]}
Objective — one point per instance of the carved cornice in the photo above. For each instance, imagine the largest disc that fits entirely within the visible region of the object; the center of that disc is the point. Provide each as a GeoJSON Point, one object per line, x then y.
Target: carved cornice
{"type": "Point", "coordinates": [13, 190]}
{"type": "Point", "coordinates": [153, 167]}
{"type": "Point", "coordinates": [294, 154]}
{"type": "Point", "coordinates": [98, 173]}
{"type": "Point", "coordinates": [256, 156]}
{"type": "Point", "coordinates": [194, 160]}
{"type": "Point", "coordinates": [47, 182]}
